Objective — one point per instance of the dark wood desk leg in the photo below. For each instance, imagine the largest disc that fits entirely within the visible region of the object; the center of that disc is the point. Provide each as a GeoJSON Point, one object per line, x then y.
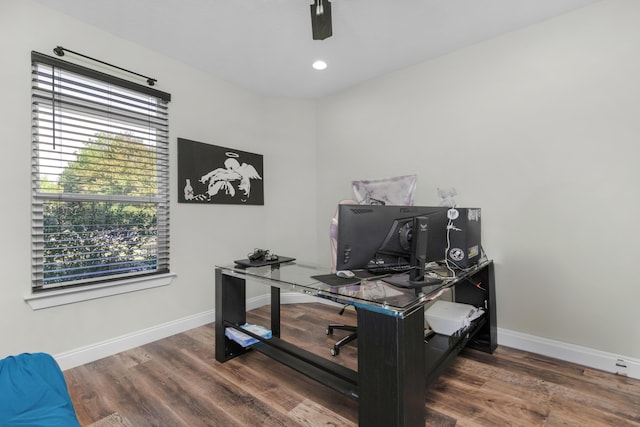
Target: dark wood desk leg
{"type": "Point", "coordinates": [493, 317]}
{"type": "Point", "coordinates": [391, 369]}
{"type": "Point", "coordinates": [275, 311]}
{"type": "Point", "coordinates": [231, 302]}
{"type": "Point", "coordinates": [491, 303]}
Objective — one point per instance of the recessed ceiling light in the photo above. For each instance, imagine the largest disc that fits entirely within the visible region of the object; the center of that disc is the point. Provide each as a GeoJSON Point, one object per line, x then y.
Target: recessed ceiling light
{"type": "Point", "coordinates": [319, 65]}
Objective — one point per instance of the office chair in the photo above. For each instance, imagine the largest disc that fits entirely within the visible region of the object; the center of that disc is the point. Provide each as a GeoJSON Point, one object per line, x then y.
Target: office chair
{"type": "Point", "coordinates": [393, 191]}
{"type": "Point", "coordinates": [335, 350]}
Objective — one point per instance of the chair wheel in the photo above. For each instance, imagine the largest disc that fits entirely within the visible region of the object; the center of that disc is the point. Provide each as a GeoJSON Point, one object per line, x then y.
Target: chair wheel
{"type": "Point", "coordinates": [329, 331]}
{"type": "Point", "coordinates": [334, 351]}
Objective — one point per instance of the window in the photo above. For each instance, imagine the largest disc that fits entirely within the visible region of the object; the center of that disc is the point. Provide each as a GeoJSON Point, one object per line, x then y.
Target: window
{"type": "Point", "coordinates": [100, 171]}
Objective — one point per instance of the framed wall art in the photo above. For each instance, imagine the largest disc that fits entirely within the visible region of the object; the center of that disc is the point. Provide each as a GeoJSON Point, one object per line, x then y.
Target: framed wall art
{"type": "Point", "coordinates": [220, 175]}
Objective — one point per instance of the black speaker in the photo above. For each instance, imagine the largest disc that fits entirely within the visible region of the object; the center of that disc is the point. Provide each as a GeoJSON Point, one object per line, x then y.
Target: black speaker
{"type": "Point", "coordinates": [321, 24]}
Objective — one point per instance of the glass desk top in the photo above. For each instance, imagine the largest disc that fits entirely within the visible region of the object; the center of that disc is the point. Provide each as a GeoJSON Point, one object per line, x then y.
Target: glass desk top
{"type": "Point", "coordinates": [368, 293]}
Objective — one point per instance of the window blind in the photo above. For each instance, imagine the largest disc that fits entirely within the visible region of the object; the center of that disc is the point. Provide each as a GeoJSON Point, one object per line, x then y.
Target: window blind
{"type": "Point", "coordinates": [100, 172]}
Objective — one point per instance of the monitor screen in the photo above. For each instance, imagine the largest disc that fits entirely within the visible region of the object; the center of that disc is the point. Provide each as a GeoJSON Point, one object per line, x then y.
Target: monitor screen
{"type": "Point", "coordinates": [375, 235]}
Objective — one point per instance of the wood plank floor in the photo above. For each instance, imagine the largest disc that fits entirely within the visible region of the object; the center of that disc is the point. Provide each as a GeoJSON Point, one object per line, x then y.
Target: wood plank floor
{"type": "Point", "coordinates": [177, 382]}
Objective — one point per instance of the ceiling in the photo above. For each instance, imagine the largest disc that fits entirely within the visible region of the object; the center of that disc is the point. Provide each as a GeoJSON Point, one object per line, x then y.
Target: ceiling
{"type": "Point", "coordinates": [266, 46]}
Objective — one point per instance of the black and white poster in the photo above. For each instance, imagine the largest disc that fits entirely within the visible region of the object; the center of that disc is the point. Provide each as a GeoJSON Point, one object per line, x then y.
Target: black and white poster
{"type": "Point", "coordinates": [212, 174]}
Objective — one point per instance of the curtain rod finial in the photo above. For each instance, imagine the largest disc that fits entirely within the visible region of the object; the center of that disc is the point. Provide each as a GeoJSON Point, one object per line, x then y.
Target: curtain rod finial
{"type": "Point", "coordinates": [151, 82]}
{"type": "Point", "coordinates": [59, 50]}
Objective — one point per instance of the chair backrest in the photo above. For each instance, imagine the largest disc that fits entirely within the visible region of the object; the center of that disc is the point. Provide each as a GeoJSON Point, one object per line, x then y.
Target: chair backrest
{"type": "Point", "coordinates": [399, 191]}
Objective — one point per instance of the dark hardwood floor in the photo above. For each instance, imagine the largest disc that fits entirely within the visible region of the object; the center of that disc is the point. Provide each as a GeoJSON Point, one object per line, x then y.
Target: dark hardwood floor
{"type": "Point", "coordinates": [177, 382]}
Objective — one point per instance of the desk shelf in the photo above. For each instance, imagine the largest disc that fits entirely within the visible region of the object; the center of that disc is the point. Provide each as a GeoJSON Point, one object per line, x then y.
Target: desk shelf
{"type": "Point", "coordinates": [331, 374]}
{"type": "Point", "coordinates": [440, 350]}
{"type": "Point", "coordinates": [478, 290]}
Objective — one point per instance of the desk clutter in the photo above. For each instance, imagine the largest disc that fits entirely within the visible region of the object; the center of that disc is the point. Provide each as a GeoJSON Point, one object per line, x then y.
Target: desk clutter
{"type": "Point", "coordinates": [246, 340]}
{"type": "Point", "coordinates": [262, 254]}
{"type": "Point", "coordinates": [261, 257]}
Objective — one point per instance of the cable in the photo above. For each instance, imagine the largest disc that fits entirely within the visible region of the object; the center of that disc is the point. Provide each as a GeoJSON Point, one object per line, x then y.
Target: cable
{"type": "Point", "coordinates": [446, 251]}
{"type": "Point", "coordinates": [476, 284]}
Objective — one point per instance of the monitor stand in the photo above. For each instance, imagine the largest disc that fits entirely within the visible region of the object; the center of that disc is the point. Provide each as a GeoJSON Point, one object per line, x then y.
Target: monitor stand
{"type": "Point", "coordinates": [404, 281]}
{"type": "Point", "coordinates": [415, 278]}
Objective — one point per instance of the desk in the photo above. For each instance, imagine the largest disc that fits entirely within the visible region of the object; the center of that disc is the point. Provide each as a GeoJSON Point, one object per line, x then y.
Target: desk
{"type": "Point", "coordinates": [395, 365]}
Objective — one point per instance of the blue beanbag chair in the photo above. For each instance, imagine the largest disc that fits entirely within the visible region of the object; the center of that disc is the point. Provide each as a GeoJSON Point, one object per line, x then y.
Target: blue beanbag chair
{"type": "Point", "coordinates": [33, 393]}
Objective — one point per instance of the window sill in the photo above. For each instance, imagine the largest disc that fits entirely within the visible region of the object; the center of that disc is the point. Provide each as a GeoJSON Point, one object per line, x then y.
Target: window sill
{"type": "Point", "coordinates": [69, 296]}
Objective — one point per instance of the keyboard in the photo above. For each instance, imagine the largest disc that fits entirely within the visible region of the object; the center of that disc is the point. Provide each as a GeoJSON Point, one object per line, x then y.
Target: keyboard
{"type": "Point", "coordinates": [389, 269]}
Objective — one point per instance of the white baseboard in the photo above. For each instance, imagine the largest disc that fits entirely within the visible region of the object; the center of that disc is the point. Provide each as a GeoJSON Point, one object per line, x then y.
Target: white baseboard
{"type": "Point", "coordinates": [588, 357]}
{"type": "Point", "coordinates": [90, 353]}
{"type": "Point", "coordinates": [596, 359]}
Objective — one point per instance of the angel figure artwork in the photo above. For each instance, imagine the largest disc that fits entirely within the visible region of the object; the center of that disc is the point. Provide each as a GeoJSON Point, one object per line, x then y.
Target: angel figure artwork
{"type": "Point", "coordinates": [223, 178]}
{"type": "Point", "coordinates": [213, 174]}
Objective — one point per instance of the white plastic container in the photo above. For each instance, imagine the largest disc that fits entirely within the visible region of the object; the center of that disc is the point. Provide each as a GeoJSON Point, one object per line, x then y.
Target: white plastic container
{"type": "Point", "coordinates": [446, 317]}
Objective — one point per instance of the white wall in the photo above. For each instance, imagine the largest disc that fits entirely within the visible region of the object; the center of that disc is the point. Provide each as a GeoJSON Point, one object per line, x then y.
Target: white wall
{"type": "Point", "coordinates": [203, 108]}
{"type": "Point", "coordinates": [540, 129]}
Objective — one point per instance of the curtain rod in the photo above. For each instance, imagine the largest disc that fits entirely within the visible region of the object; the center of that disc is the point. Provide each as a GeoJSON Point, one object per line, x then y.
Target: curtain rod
{"type": "Point", "coordinates": [59, 50]}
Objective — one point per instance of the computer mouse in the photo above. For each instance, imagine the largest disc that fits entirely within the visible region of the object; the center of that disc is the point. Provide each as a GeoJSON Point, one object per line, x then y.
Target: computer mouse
{"type": "Point", "coordinates": [345, 274]}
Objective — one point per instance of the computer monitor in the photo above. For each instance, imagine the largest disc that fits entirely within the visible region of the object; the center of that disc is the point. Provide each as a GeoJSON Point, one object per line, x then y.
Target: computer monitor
{"type": "Point", "coordinates": [372, 236]}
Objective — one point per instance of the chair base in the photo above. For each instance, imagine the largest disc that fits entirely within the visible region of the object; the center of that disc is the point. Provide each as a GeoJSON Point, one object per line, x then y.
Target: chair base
{"type": "Point", "coordinates": [335, 350]}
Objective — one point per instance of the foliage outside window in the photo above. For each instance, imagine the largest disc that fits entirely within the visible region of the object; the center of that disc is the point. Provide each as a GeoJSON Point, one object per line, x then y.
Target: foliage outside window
{"type": "Point", "coordinates": [99, 177]}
